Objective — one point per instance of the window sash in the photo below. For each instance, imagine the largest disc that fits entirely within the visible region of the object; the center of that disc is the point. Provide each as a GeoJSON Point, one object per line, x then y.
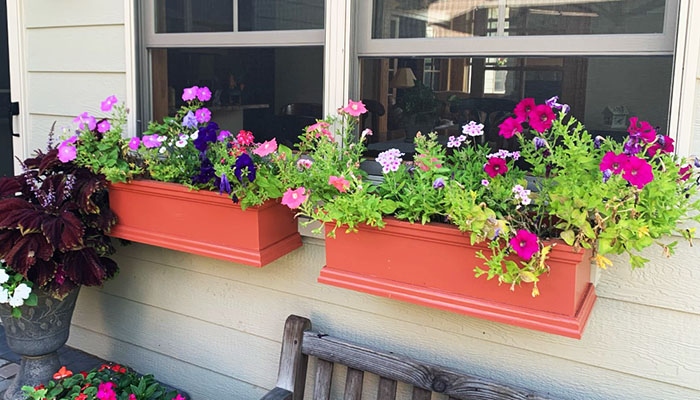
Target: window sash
{"type": "Point", "coordinates": [543, 45]}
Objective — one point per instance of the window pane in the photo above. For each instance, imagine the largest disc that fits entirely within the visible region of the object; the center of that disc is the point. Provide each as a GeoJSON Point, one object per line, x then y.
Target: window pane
{"type": "Point", "coordinates": [176, 16]}
{"type": "Point", "coordinates": [407, 95]}
{"type": "Point", "coordinates": [271, 15]}
{"type": "Point", "coordinates": [273, 92]}
{"type": "Point", "coordinates": [464, 18]}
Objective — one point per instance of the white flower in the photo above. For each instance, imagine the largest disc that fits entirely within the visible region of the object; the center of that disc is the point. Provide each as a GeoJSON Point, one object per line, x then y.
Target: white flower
{"type": "Point", "coordinates": [181, 143]}
{"type": "Point", "coordinates": [195, 135]}
{"type": "Point", "coordinates": [4, 296]}
{"type": "Point", "coordinates": [162, 138]}
{"type": "Point", "coordinates": [16, 301]}
{"type": "Point", "coordinates": [518, 188]}
{"type": "Point", "coordinates": [23, 291]}
{"type": "Point", "coordinates": [162, 150]}
{"type": "Point", "coordinates": [473, 129]}
{"type": "Point", "coordinates": [4, 277]}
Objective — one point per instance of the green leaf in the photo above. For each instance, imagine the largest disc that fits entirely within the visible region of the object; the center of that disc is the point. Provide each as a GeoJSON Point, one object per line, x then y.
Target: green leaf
{"type": "Point", "coordinates": [569, 237]}
{"type": "Point", "coordinates": [16, 312]}
{"type": "Point", "coordinates": [32, 301]}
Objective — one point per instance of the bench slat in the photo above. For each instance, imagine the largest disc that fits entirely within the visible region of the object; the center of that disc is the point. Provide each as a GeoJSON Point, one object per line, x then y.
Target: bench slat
{"type": "Point", "coordinates": [278, 394]}
{"type": "Point", "coordinates": [422, 375]}
{"type": "Point", "coordinates": [421, 394]}
{"type": "Point", "coordinates": [322, 382]}
{"type": "Point", "coordinates": [387, 389]}
{"type": "Point", "coordinates": [353, 384]}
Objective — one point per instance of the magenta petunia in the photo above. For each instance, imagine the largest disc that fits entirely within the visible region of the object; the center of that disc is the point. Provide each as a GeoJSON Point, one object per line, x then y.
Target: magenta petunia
{"type": "Point", "coordinates": [541, 118]}
{"type": "Point", "coordinates": [190, 93]}
{"type": "Point", "coordinates": [495, 166]}
{"type": "Point", "coordinates": [204, 94]}
{"type": "Point", "coordinates": [685, 172]}
{"type": "Point", "coordinates": [134, 143]}
{"type": "Point", "coordinates": [613, 162]}
{"type": "Point", "coordinates": [67, 152]}
{"type": "Point", "coordinates": [294, 198]}
{"type": "Point", "coordinates": [642, 130]}
{"type": "Point", "coordinates": [85, 120]}
{"type": "Point", "coordinates": [638, 172]}
{"type": "Point", "coordinates": [523, 109]}
{"type": "Point", "coordinates": [223, 135]}
{"type": "Point", "coordinates": [108, 103]}
{"type": "Point", "coordinates": [103, 126]}
{"type": "Point", "coordinates": [203, 115]}
{"type": "Point", "coordinates": [355, 108]}
{"type": "Point", "coordinates": [525, 244]}
{"type": "Point", "coordinates": [663, 143]}
{"type": "Point", "coordinates": [510, 127]}
{"type": "Point", "coordinates": [151, 141]}
{"type": "Point", "coordinates": [339, 182]}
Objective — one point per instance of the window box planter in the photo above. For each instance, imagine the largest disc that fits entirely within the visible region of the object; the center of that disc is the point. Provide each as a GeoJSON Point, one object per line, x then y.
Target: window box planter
{"type": "Point", "coordinates": [432, 265]}
{"type": "Point", "coordinates": [202, 222]}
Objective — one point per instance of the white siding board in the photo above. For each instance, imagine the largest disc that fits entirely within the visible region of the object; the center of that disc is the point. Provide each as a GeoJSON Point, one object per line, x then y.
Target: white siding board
{"type": "Point", "coordinates": [77, 49]}
{"type": "Point", "coordinates": [263, 301]}
{"type": "Point", "coordinates": [70, 94]}
{"type": "Point", "coordinates": [39, 127]}
{"type": "Point", "coordinates": [46, 13]}
{"type": "Point", "coordinates": [201, 384]}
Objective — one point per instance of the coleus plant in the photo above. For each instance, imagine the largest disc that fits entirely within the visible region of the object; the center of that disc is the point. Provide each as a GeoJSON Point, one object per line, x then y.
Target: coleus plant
{"type": "Point", "coordinates": [615, 198]}
{"type": "Point", "coordinates": [54, 218]}
{"type": "Point", "coordinates": [108, 382]}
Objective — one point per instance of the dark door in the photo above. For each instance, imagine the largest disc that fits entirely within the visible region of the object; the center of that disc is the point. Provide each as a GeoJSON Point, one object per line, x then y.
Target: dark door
{"type": "Point", "coordinates": [6, 163]}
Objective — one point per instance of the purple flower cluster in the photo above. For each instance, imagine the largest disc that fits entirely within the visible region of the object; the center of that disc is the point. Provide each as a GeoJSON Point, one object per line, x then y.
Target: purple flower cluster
{"type": "Point", "coordinates": [390, 160]}
{"type": "Point", "coordinates": [473, 129]}
{"type": "Point", "coordinates": [515, 155]}
{"type": "Point", "coordinates": [456, 141]}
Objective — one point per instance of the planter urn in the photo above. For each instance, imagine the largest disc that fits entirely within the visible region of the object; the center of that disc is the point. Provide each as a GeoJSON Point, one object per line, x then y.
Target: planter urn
{"type": "Point", "coordinates": [37, 336]}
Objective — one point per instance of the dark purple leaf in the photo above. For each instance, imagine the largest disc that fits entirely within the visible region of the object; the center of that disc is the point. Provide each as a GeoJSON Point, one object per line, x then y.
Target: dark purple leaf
{"type": "Point", "coordinates": [84, 267]}
{"type": "Point", "coordinates": [9, 186]}
{"type": "Point", "coordinates": [27, 250]}
{"type": "Point", "coordinates": [42, 272]}
{"type": "Point", "coordinates": [64, 231]}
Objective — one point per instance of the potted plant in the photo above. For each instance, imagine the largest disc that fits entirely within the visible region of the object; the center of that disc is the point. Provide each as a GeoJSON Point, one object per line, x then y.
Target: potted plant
{"type": "Point", "coordinates": [463, 220]}
{"type": "Point", "coordinates": [419, 107]}
{"type": "Point", "coordinates": [103, 383]}
{"type": "Point", "coordinates": [54, 220]}
{"type": "Point", "coordinates": [175, 204]}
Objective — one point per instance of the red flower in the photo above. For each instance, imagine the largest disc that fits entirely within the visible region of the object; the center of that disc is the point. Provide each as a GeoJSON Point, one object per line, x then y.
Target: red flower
{"type": "Point", "coordinates": [638, 172]}
{"type": "Point", "coordinates": [541, 118]}
{"type": "Point", "coordinates": [496, 166]}
{"type": "Point", "coordinates": [62, 373]}
{"type": "Point", "coordinates": [524, 108]}
{"type": "Point", "coordinates": [84, 374]}
{"type": "Point", "coordinates": [509, 127]}
{"type": "Point", "coordinates": [39, 387]}
{"type": "Point", "coordinates": [116, 367]}
{"type": "Point", "coordinates": [122, 370]}
{"type": "Point", "coordinates": [245, 138]}
{"type": "Point", "coordinates": [525, 244]}
{"type": "Point", "coordinates": [613, 162]}
{"type": "Point", "coordinates": [81, 396]}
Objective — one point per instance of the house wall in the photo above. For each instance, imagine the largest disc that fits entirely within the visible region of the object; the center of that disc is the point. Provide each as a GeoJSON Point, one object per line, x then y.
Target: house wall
{"type": "Point", "coordinates": [213, 327]}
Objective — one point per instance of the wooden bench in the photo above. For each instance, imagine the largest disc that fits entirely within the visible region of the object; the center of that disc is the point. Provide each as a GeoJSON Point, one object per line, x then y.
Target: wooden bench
{"type": "Point", "coordinates": [299, 343]}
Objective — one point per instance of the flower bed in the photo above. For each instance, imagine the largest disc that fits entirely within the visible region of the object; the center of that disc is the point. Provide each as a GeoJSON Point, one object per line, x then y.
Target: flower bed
{"type": "Point", "coordinates": [432, 264]}
{"type": "Point", "coordinates": [202, 222]}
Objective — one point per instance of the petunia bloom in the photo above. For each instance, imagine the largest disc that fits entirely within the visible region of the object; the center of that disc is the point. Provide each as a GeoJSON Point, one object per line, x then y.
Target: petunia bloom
{"type": "Point", "coordinates": [539, 142]}
{"type": "Point", "coordinates": [108, 103]}
{"type": "Point", "coordinates": [225, 185]}
{"type": "Point", "coordinates": [85, 120]}
{"type": "Point", "coordinates": [134, 143]}
{"type": "Point", "coordinates": [266, 148]}
{"type": "Point", "coordinates": [485, 182]}
{"type": "Point", "coordinates": [685, 173]}
{"type": "Point", "coordinates": [203, 115]}
{"type": "Point", "coordinates": [103, 126]}
{"type": "Point", "coordinates": [554, 103]}
{"type": "Point", "coordinates": [495, 166]}
{"type": "Point", "coordinates": [223, 135]}
{"type": "Point", "coordinates": [641, 130]}
{"type": "Point", "coordinates": [638, 172]}
{"type": "Point", "coordinates": [523, 109]}
{"type": "Point", "coordinates": [339, 182]}
{"type": "Point", "coordinates": [663, 144]}
{"type": "Point", "coordinates": [151, 141]}
{"type": "Point", "coordinates": [613, 162]}
{"type": "Point", "coordinates": [189, 120]}
{"type": "Point", "coordinates": [190, 93]}
{"type": "Point", "coordinates": [204, 94]}
{"type": "Point", "coordinates": [321, 129]}
{"type": "Point", "coordinates": [525, 244]}
{"type": "Point", "coordinates": [355, 108]}
{"type": "Point", "coordinates": [509, 127]}
{"type": "Point", "coordinates": [178, 397]}
{"type": "Point", "coordinates": [541, 118]}
{"type": "Point", "coordinates": [294, 198]}
{"type": "Point", "coordinates": [439, 183]}
{"type": "Point", "coordinates": [304, 163]}
{"type": "Point", "coordinates": [67, 152]}
{"type": "Point", "coordinates": [244, 163]}
{"type": "Point", "coordinates": [606, 175]}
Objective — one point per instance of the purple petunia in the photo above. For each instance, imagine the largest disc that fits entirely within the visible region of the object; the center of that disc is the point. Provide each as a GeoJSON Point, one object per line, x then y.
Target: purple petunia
{"type": "Point", "coordinates": [224, 185]}
{"type": "Point", "coordinates": [438, 183]}
{"type": "Point", "coordinates": [243, 163]}
{"type": "Point", "coordinates": [203, 115]}
{"type": "Point", "coordinates": [108, 103]}
{"type": "Point", "coordinates": [189, 120]}
{"type": "Point", "coordinates": [205, 136]}
{"type": "Point", "coordinates": [539, 142]}
{"type": "Point", "coordinates": [204, 94]}
{"type": "Point", "coordinates": [554, 103]}
{"type": "Point", "coordinates": [134, 143]}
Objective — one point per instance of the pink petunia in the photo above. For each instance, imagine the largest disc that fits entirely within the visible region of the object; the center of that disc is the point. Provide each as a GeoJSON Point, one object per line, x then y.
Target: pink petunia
{"type": "Point", "coordinates": [613, 162]}
{"type": "Point", "coordinates": [637, 171]}
{"type": "Point", "coordinates": [294, 198]}
{"type": "Point", "coordinates": [541, 118]}
{"type": "Point", "coordinates": [151, 141]}
{"type": "Point", "coordinates": [339, 182]}
{"type": "Point", "coordinates": [355, 108]}
{"type": "Point", "coordinates": [523, 109]}
{"type": "Point", "coordinates": [204, 94]}
{"type": "Point", "coordinates": [203, 115]}
{"type": "Point", "coordinates": [663, 143]}
{"type": "Point", "coordinates": [525, 244]}
{"type": "Point", "coordinates": [108, 103]}
{"type": "Point", "coordinates": [178, 397]}
{"type": "Point", "coordinates": [641, 129]}
{"type": "Point", "coordinates": [495, 166]}
{"type": "Point", "coordinates": [427, 165]}
{"type": "Point", "coordinates": [86, 119]}
{"type": "Point", "coordinates": [103, 126]}
{"type": "Point", "coordinates": [304, 163]}
{"type": "Point", "coordinates": [510, 127]}
{"type": "Point", "coordinates": [190, 93]}
{"type": "Point", "coordinates": [67, 152]}
{"type": "Point", "coordinates": [245, 138]}
{"type": "Point", "coordinates": [266, 148]}
{"type": "Point", "coordinates": [134, 143]}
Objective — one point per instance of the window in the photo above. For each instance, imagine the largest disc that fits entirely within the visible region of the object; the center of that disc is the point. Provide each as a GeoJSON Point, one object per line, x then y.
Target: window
{"type": "Point", "coordinates": [262, 60]}
{"type": "Point", "coordinates": [433, 65]}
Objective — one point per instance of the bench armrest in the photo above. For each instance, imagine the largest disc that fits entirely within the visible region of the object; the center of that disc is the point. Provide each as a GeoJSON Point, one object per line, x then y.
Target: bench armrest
{"type": "Point", "coordinates": [278, 394]}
